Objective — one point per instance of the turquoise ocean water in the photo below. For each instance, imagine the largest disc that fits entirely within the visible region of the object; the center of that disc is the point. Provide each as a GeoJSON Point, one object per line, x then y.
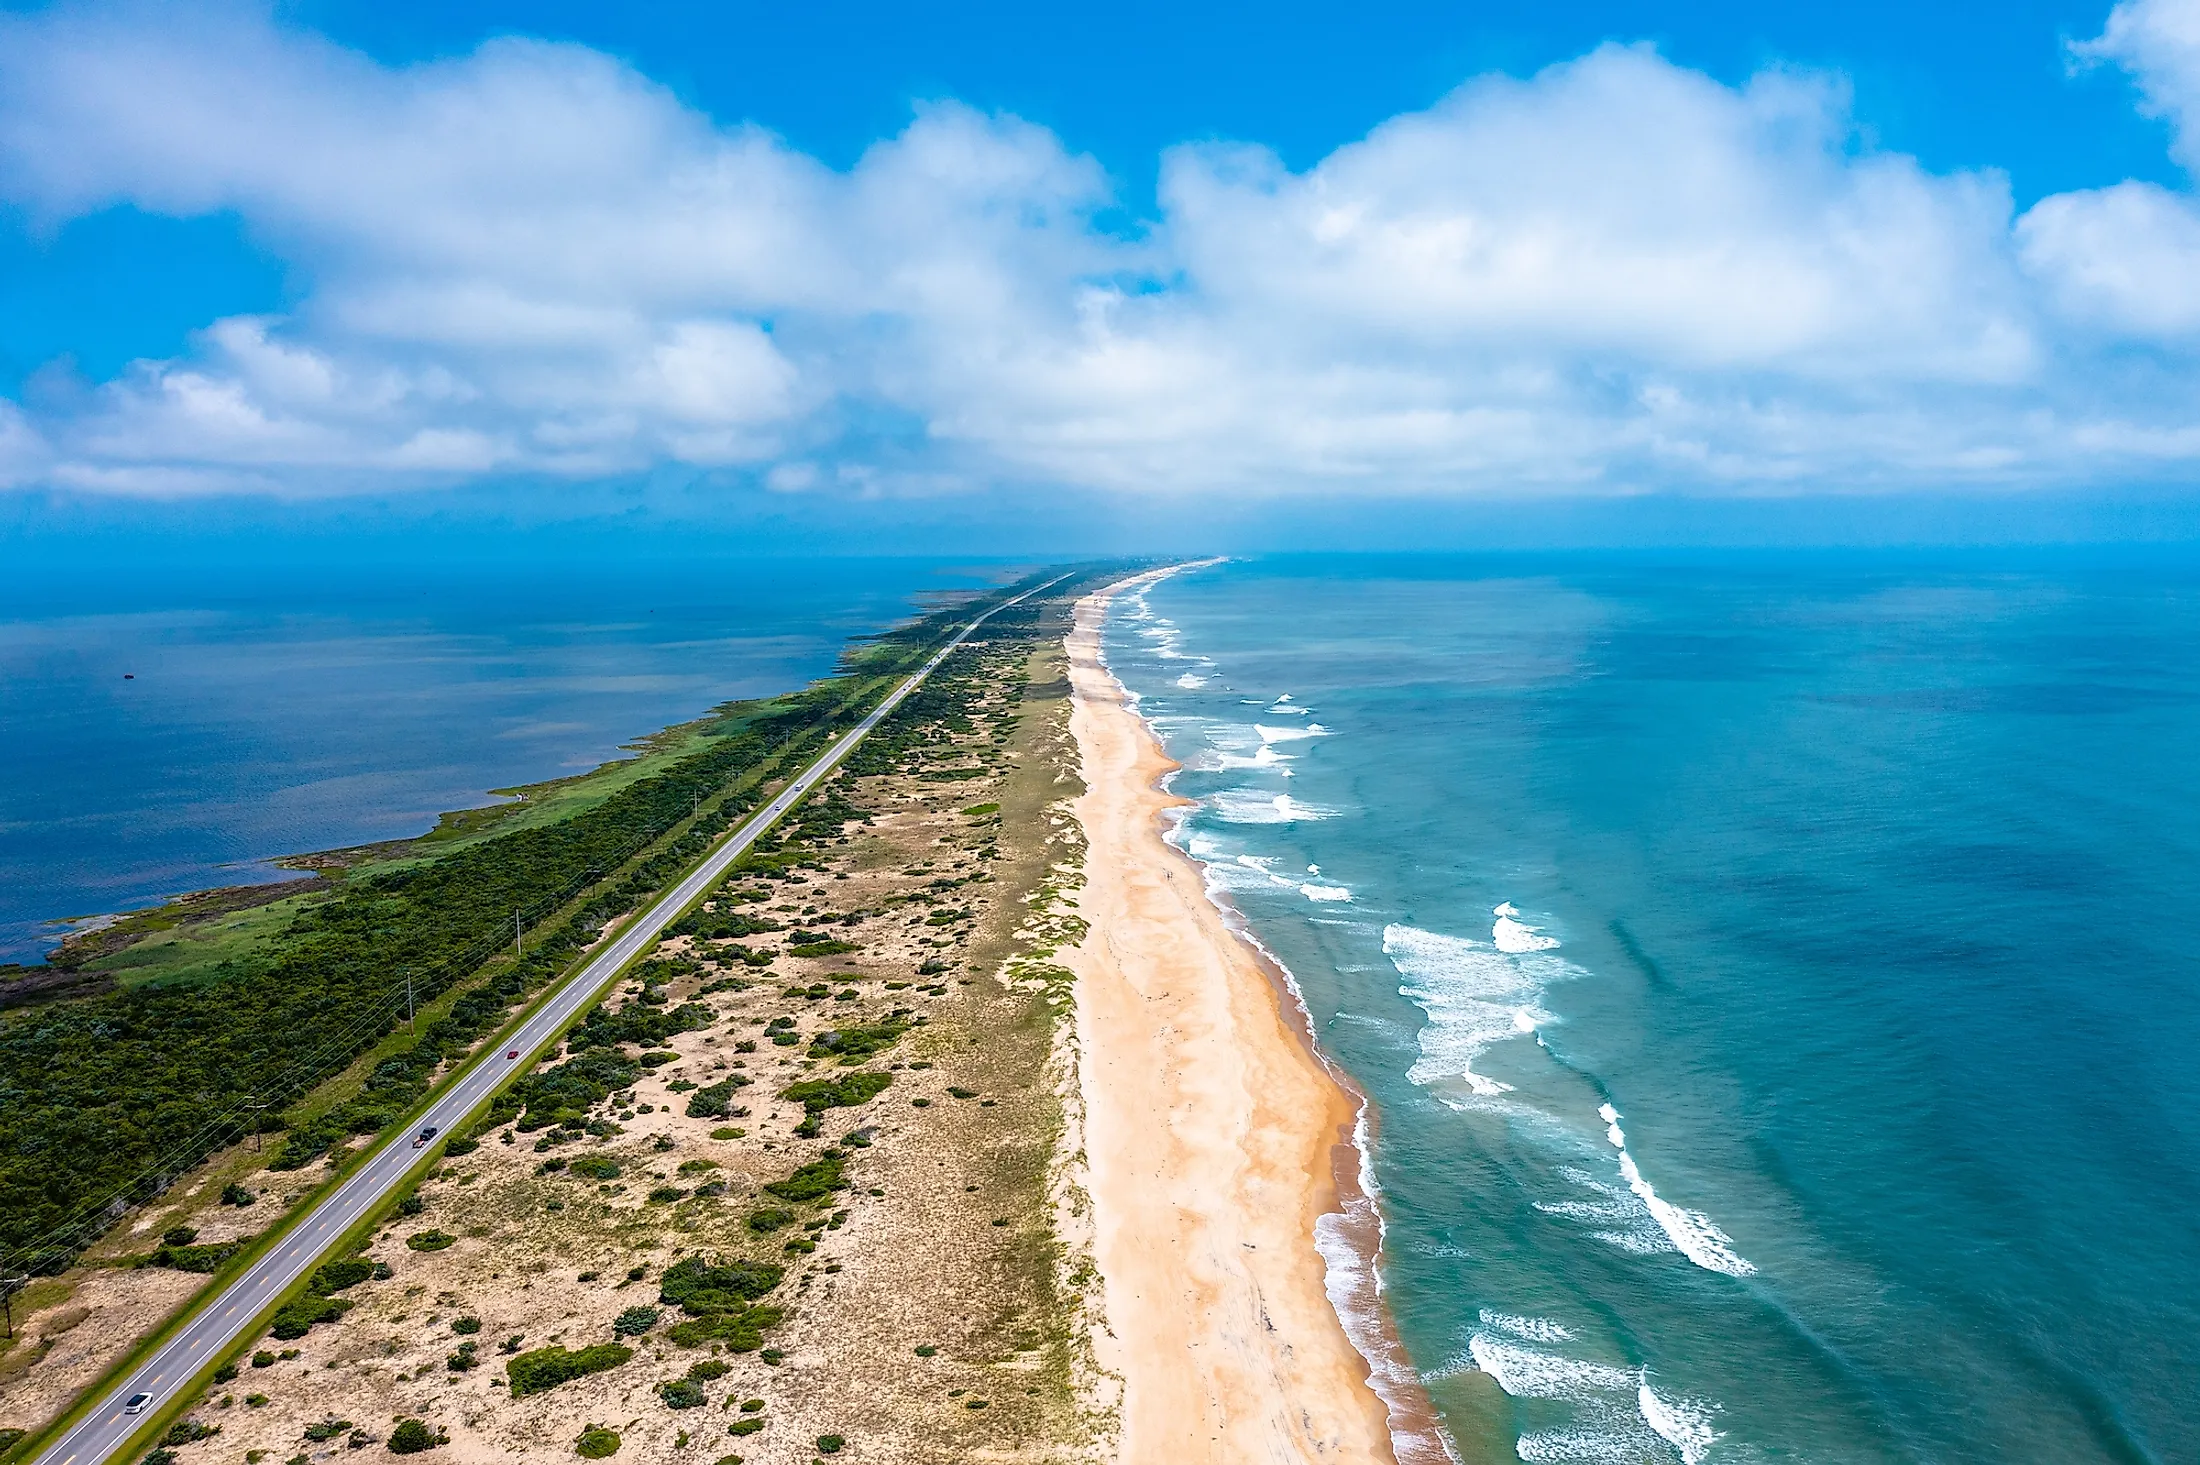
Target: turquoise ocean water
{"type": "Point", "coordinates": [1775, 984]}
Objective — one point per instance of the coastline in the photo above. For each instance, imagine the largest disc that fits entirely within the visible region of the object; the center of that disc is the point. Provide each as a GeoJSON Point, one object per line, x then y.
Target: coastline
{"type": "Point", "coordinates": [1223, 1153]}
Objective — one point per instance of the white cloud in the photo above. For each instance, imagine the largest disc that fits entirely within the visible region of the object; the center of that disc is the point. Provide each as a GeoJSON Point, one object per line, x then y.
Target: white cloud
{"type": "Point", "coordinates": [1617, 273]}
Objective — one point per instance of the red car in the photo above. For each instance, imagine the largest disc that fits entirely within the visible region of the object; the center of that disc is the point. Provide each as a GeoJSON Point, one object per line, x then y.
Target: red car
{"type": "Point", "coordinates": [511, 1053]}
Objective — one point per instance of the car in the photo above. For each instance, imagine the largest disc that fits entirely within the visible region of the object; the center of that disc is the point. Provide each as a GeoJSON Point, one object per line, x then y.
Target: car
{"type": "Point", "coordinates": [423, 1137]}
{"type": "Point", "coordinates": [511, 1053]}
{"type": "Point", "coordinates": [137, 1403]}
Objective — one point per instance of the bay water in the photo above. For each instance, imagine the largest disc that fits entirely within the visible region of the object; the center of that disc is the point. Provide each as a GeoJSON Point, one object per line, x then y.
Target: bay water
{"type": "Point", "coordinates": [169, 724]}
{"type": "Point", "coordinates": [1773, 980]}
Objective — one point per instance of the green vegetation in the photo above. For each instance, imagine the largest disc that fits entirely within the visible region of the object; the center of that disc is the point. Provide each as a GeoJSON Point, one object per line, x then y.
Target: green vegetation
{"type": "Point", "coordinates": [635, 1321]}
{"type": "Point", "coordinates": [411, 1436]}
{"type": "Point", "coordinates": [715, 1101]}
{"type": "Point", "coordinates": [682, 1394]}
{"type": "Point", "coordinates": [298, 1317]}
{"type": "Point", "coordinates": [430, 1240]}
{"type": "Point", "coordinates": [844, 1091]}
{"type": "Point", "coordinates": [814, 1181]}
{"type": "Point", "coordinates": [208, 1258]}
{"type": "Point", "coordinates": [545, 1368]}
{"type": "Point", "coordinates": [860, 1041]}
{"type": "Point", "coordinates": [597, 1443]}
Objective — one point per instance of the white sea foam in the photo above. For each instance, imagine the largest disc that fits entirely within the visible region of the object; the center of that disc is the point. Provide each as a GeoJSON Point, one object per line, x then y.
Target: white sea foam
{"type": "Point", "coordinates": [1531, 1373]}
{"type": "Point", "coordinates": [1475, 996]}
{"type": "Point", "coordinates": [1513, 935]}
{"type": "Point", "coordinates": [1252, 806]}
{"type": "Point", "coordinates": [1685, 1424]}
{"type": "Point", "coordinates": [1191, 682]}
{"type": "Point", "coordinates": [1692, 1233]}
{"type": "Point", "coordinates": [1289, 734]}
{"type": "Point", "coordinates": [1325, 892]}
{"type": "Point", "coordinates": [1533, 1329]}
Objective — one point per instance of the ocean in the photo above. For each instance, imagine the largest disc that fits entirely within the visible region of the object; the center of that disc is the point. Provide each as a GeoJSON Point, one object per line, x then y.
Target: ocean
{"type": "Point", "coordinates": [1773, 980]}
{"type": "Point", "coordinates": [169, 726]}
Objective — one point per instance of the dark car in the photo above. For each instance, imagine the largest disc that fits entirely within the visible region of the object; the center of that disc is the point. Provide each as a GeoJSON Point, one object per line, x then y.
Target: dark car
{"type": "Point", "coordinates": [423, 1137]}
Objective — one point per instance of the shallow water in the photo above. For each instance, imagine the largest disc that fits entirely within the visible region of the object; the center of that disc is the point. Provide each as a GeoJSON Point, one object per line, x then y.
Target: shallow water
{"type": "Point", "coordinates": [272, 712]}
{"type": "Point", "coordinates": [1775, 982]}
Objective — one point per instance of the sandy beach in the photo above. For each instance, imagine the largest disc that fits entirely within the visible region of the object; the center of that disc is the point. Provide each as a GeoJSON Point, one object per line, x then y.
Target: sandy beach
{"type": "Point", "coordinates": [1213, 1139]}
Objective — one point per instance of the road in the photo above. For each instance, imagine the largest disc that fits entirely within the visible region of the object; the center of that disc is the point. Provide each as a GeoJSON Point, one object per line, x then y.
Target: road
{"type": "Point", "coordinates": [222, 1320]}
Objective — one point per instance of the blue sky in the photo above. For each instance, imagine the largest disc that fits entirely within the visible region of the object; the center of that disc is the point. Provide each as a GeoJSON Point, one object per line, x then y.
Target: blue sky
{"type": "Point", "coordinates": [999, 272]}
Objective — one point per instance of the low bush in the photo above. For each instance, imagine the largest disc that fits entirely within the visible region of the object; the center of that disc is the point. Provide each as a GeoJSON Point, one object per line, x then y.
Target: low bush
{"type": "Point", "coordinates": [546, 1368]}
{"type": "Point", "coordinates": [697, 1286]}
{"type": "Point", "coordinates": [741, 1329]}
{"type": "Point", "coordinates": [178, 1236]}
{"type": "Point", "coordinates": [635, 1321]}
{"type": "Point", "coordinates": [715, 1101]}
{"type": "Point", "coordinates": [596, 1167]}
{"type": "Point", "coordinates": [814, 1181]}
{"type": "Point", "coordinates": [597, 1443]}
{"type": "Point", "coordinates": [465, 1327]}
{"type": "Point", "coordinates": [771, 1218]}
{"type": "Point", "coordinates": [830, 1444]}
{"type": "Point", "coordinates": [665, 1195]}
{"type": "Point", "coordinates": [430, 1240]}
{"type": "Point", "coordinates": [708, 1370]}
{"type": "Point", "coordinates": [413, 1436]}
{"type": "Point", "coordinates": [682, 1394]}
{"type": "Point", "coordinates": [744, 1426]}
{"type": "Point", "coordinates": [236, 1195]}
{"type": "Point", "coordinates": [198, 1259]}
{"type": "Point", "coordinates": [189, 1431]}
{"type": "Point", "coordinates": [327, 1429]}
{"type": "Point", "coordinates": [298, 1318]}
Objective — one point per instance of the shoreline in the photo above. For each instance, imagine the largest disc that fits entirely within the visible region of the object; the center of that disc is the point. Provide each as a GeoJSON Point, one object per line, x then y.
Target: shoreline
{"type": "Point", "coordinates": [1225, 1154]}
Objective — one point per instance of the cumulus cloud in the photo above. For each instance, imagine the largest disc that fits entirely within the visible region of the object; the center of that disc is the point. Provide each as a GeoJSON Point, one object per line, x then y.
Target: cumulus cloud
{"type": "Point", "coordinates": [1617, 273]}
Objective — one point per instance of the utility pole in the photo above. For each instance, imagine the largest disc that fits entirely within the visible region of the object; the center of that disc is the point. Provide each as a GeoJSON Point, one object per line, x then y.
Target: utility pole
{"type": "Point", "coordinates": [9, 1286]}
{"type": "Point", "coordinates": [517, 949]}
{"type": "Point", "coordinates": [408, 999]}
{"type": "Point", "coordinates": [256, 1108]}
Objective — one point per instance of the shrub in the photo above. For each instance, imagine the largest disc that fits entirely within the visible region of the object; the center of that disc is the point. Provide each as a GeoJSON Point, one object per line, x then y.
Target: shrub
{"type": "Point", "coordinates": [716, 1100]}
{"type": "Point", "coordinates": [682, 1394]}
{"type": "Point", "coordinates": [823, 948]}
{"type": "Point", "coordinates": [744, 1426]}
{"type": "Point", "coordinates": [227, 1373]}
{"type": "Point", "coordinates": [752, 1406]}
{"type": "Point", "coordinates": [327, 1429]}
{"type": "Point", "coordinates": [729, 1132]}
{"type": "Point", "coordinates": [263, 1359]}
{"type": "Point", "coordinates": [199, 1259]}
{"type": "Point", "coordinates": [665, 1195]}
{"type": "Point", "coordinates": [463, 1361]}
{"type": "Point", "coordinates": [413, 1435]}
{"type": "Point", "coordinates": [411, 1205]}
{"type": "Point", "coordinates": [465, 1327]}
{"type": "Point", "coordinates": [699, 1287]}
{"type": "Point", "coordinates": [830, 1444]}
{"type": "Point", "coordinates": [741, 1330]}
{"type": "Point", "coordinates": [635, 1321]}
{"type": "Point", "coordinates": [596, 1167]}
{"type": "Point", "coordinates": [708, 1370]}
{"type": "Point", "coordinates": [189, 1431]}
{"type": "Point", "coordinates": [178, 1236]}
{"type": "Point", "coordinates": [843, 1091]}
{"type": "Point", "coordinates": [345, 1272]}
{"type": "Point", "coordinates": [597, 1443]}
{"type": "Point", "coordinates": [234, 1194]}
{"type": "Point", "coordinates": [430, 1240]}
{"type": "Point", "coordinates": [860, 1040]}
{"type": "Point", "coordinates": [697, 1167]}
{"type": "Point", "coordinates": [160, 1457]}
{"type": "Point", "coordinates": [814, 1181]}
{"type": "Point", "coordinates": [546, 1368]}
{"type": "Point", "coordinates": [459, 1147]}
{"type": "Point", "coordinates": [771, 1218]}
{"type": "Point", "coordinates": [298, 1318]}
{"type": "Point", "coordinates": [256, 1401]}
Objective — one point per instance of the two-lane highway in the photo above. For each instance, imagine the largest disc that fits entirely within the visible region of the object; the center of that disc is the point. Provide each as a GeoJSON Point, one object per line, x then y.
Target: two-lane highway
{"type": "Point", "coordinates": [220, 1321]}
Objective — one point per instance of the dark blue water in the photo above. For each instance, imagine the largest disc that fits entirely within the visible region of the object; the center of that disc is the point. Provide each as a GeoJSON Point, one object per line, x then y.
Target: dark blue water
{"type": "Point", "coordinates": [274, 711]}
{"type": "Point", "coordinates": [1775, 982]}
